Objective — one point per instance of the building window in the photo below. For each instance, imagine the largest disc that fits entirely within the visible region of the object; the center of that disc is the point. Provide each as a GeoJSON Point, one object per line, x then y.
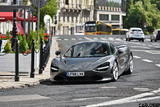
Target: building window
{"type": "Point", "coordinates": [115, 17]}
{"type": "Point", "coordinates": [67, 2]}
{"type": "Point", "coordinates": [103, 17]}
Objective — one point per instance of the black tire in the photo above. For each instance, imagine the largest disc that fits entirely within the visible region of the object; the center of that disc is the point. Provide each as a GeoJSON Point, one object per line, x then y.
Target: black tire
{"type": "Point", "coordinates": [142, 40]}
{"type": "Point", "coordinates": [126, 39]}
{"type": "Point", "coordinates": [129, 39]}
{"type": "Point", "coordinates": [130, 66]}
{"type": "Point", "coordinates": [115, 72]}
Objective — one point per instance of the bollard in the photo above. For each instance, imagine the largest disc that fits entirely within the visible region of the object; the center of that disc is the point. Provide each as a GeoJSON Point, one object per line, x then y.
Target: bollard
{"type": "Point", "coordinates": [41, 57]}
{"type": "Point", "coordinates": [32, 74]}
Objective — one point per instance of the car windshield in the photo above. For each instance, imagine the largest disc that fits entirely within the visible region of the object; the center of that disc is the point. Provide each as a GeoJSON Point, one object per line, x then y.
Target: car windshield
{"type": "Point", "coordinates": [88, 50]}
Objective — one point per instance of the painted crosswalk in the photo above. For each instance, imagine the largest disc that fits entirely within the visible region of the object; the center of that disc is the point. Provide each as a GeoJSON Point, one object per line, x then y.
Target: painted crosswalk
{"type": "Point", "coordinates": [22, 98]}
{"type": "Point", "coordinates": [132, 44]}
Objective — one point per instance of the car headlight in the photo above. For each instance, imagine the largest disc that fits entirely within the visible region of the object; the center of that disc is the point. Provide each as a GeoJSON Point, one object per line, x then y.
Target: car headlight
{"type": "Point", "coordinates": [103, 67]}
{"type": "Point", "coordinates": [54, 69]}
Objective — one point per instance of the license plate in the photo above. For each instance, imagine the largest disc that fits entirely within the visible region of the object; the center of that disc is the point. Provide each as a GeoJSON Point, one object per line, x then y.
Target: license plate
{"type": "Point", "coordinates": [75, 74]}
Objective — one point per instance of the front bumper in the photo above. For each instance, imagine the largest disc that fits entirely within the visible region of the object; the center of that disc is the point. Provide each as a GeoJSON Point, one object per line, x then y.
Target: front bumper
{"type": "Point", "coordinates": [88, 76]}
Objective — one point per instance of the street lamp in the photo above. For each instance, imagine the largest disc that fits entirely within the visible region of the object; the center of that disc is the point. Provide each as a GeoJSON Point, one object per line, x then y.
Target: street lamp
{"type": "Point", "coordinates": [15, 44]}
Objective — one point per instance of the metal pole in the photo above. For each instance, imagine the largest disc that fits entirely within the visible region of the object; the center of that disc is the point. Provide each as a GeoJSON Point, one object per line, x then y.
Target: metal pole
{"type": "Point", "coordinates": [32, 20]}
{"type": "Point", "coordinates": [38, 23]}
{"type": "Point", "coordinates": [29, 23]}
{"type": "Point", "coordinates": [24, 21]}
{"type": "Point", "coordinates": [32, 61]}
{"type": "Point", "coordinates": [15, 44]}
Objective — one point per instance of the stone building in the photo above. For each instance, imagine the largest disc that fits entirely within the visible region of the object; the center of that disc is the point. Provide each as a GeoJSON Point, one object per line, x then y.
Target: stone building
{"type": "Point", "coordinates": [111, 12]}
{"type": "Point", "coordinates": [72, 15]}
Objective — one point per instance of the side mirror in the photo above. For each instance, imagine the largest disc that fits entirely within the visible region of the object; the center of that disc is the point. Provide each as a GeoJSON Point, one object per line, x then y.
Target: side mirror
{"type": "Point", "coordinates": [120, 51]}
{"type": "Point", "coordinates": [58, 53]}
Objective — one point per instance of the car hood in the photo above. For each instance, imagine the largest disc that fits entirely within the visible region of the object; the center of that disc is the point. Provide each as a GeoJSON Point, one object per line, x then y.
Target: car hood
{"type": "Point", "coordinates": [79, 64]}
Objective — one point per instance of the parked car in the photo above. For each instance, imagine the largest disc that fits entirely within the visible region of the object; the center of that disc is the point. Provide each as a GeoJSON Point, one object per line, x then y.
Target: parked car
{"type": "Point", "coordinates": [92, 61]}
{"type": "Point", "coordinates": [135, 33]}
{"type": "Point", "coordinates": [155, 36]}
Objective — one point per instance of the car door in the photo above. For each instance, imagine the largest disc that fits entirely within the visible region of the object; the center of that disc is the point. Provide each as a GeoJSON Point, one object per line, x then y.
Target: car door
{"type": "Point", "coordinates": [123, 58]}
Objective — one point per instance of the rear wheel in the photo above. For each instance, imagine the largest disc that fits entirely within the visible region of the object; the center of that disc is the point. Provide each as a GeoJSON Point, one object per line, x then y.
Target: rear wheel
{"type": "Point", "coordinates": [126, 39]}
{"type": "Point", "coordinates": [115, 72]}
{"type": "Point", "coordinates": [129, 39]}
{"type": "Point", "coordinates": [130, 67]}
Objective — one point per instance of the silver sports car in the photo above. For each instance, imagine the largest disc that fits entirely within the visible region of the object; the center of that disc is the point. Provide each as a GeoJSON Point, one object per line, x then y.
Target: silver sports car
{"type": "Point", "coordinates": [92, 61]}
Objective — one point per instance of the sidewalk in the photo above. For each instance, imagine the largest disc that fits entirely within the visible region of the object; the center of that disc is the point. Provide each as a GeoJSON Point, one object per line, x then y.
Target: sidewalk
{"type": "Point", "coordinates": [7, 81]}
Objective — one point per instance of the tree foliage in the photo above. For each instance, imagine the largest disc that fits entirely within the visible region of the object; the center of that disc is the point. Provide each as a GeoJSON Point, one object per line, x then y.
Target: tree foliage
{"type": "Point", "coordinates": [144, 14]}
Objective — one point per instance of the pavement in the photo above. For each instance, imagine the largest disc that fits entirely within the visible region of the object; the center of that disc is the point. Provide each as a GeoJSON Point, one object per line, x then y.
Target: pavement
{"type": "Point", "coordinates": [7, 78]}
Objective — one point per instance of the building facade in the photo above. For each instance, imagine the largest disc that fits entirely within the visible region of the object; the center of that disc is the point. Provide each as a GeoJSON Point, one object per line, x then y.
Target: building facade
{"type": "Point", "coordinates": [111, 12]}
{"type": "Point", "coordinates": [72, 15]}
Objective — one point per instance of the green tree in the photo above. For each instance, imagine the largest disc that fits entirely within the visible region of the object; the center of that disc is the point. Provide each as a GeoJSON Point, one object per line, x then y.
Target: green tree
{"type": "Point", "coordinates": [136, 16]}
{"type": "Point", "coordinates": [141, 13]}
{"type": "Point", "coordinates": [157, 2]}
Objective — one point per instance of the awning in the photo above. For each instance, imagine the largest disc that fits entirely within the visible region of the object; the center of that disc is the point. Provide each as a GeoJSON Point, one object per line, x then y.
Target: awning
{"type": "Point", "coordinates": [8, 16]}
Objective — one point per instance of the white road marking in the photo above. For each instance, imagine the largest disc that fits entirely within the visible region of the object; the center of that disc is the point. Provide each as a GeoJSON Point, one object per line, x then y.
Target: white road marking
{"type": "Point", "coordinates": [88, 38]}
{"type": "Point", "coordinates": [59, 39]}
{"type": "Point", "coordinates": [137, 57]}
{"type": "Point", "coordinates": [118, 39]}
{"type": "Point", "coordinates": [153, 52]}
{"type": "Point", "coordinates": [95, 38]}
{"type": "Point", "coordinates": [141, 47]}
{"type": "Point", "coordinates": [83, 99]}
{"type": "Point", "coordinates": [142, 89]}
{"type": "Point", "coordinates": [129, 99]}
{"type": "Point", "coordinates": [73, 39]}
{"type": "Point", "coordinates": [110, 38]}
{"type": "Point", "coordinates": [66, 39]}
{"type": "Point", "coordinates": [158, 65]}
{"type": "Point", "coordinates": [108, 87]}
{"type": "Point", "coordinates": [103, 38]}
{"type": "Point", "coordinates": [146, 99]}
{"type": "Point", "coordinates": [22, 98]}
{"type": "Point", "coordinates": [147, 60]}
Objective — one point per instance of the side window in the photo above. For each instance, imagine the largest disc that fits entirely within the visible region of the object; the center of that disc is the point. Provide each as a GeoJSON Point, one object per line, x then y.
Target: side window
{"type": "Point", "coordinates": [68, 53]}
{"type": "Point", "coordinates": [112, 48]}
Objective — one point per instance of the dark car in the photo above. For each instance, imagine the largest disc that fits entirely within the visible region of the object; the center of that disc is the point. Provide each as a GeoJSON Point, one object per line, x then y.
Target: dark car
{"type": "Point", "coordinates": [92, 61]}
{"type": "Point", "coordinates": [155, 36]}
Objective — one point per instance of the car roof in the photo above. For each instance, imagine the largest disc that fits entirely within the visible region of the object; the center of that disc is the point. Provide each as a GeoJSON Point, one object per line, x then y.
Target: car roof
{"type": "Point", "coordinates": [106, 42]}
{"type": "Point", "coordinates": [136, 28]}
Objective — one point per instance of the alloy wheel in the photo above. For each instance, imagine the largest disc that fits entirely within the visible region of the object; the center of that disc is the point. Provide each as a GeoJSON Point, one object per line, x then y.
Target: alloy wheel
{"type": "Point", "coordinates": [115, 72]}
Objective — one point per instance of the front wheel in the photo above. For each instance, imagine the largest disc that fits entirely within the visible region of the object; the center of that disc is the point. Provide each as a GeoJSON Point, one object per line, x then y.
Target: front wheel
{"type": "Point", "coordinates": [115, 72]}
{"type": "Point", "coordinates": [130, 67]}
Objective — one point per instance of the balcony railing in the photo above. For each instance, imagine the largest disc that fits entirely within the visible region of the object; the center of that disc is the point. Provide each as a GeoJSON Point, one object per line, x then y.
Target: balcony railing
{"type": "Point", "coordinates": [107, 8]}
{"type": "Point", "coordinates": [76, 6]}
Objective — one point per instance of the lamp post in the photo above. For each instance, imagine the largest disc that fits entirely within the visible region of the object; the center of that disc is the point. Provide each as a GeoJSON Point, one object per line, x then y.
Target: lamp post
{"type": "Point", "coordinates": [15, 44]}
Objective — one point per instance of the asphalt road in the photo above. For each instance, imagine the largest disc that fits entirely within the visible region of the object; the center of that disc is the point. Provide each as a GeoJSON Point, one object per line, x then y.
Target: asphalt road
{"type": "Point", "coordinates": [140, 89]}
